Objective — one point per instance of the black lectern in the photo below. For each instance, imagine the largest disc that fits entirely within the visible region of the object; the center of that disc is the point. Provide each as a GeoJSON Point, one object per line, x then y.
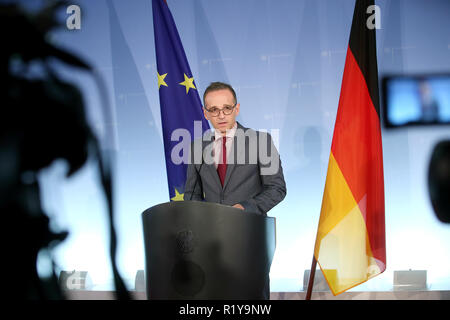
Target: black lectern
{"type": "Point", "coordinates": [201, 250]}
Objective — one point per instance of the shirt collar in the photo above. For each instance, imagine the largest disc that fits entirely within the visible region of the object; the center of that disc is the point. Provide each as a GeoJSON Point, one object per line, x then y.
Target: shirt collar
{"type": "Point", "coordinates": [230, 133]}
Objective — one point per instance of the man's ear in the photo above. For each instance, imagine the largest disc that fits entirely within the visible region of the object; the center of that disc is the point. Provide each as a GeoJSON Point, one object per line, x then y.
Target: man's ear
{"type": "Point", "coordinates": [237, 108]}
{"type": "Point", "coordinates": [205, 114]}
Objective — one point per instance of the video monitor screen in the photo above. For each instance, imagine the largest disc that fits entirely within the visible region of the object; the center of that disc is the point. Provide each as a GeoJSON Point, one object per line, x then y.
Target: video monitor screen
{"type": "Point", "coordinates": [416, 100]}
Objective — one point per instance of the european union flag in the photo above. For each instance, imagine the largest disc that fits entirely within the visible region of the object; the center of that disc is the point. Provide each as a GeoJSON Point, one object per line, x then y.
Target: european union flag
{"type": "Point", "coordinates": [179, 100]}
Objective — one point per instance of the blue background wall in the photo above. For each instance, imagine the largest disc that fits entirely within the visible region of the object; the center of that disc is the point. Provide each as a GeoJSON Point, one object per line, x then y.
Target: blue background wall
{"type": "Point", "coordinates": [285, 59]}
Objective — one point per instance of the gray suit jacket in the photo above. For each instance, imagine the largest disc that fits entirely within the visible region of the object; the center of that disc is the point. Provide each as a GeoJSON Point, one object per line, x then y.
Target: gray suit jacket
{"type": "Point", "coordinates": [254, 179]}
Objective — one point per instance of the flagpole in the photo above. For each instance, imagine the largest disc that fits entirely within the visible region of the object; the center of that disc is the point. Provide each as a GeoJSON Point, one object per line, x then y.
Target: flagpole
{"type": "Point", "coordinates": [311, 278]}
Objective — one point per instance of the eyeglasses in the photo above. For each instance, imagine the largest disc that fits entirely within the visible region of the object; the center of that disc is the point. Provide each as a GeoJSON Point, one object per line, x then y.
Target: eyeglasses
{"type": "Point", "coordinates": [214, 111]}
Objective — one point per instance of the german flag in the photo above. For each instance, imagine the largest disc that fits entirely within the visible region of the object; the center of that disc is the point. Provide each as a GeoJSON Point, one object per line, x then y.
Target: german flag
{"type": "Point", "coordinates": [350, 244]}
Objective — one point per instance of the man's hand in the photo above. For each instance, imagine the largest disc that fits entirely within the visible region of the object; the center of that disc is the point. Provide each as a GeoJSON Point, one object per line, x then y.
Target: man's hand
{"type": "Point", "coordinates": [239, 206]}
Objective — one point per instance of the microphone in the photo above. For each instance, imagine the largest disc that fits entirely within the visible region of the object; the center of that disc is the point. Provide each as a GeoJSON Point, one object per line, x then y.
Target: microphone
{"type": "Point", "coordinates": [196, 180]}
{"type": "Point", "coordinates": [198, 173]}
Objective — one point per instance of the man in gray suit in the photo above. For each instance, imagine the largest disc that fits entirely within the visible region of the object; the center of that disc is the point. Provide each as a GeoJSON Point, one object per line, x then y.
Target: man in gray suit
{"type": "Point", "coordinates": [233, 165]}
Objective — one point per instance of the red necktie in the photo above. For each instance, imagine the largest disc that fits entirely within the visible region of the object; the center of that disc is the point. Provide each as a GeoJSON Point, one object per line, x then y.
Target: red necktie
{"type": "Point", "coordinates": [222, 167]}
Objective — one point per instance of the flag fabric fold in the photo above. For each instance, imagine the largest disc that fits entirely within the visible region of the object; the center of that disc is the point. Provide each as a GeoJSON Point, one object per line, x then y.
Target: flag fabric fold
{"type": "Point", "coordinates": [350, 243]}
{"type": "Point", "coordinates": [179, 100]}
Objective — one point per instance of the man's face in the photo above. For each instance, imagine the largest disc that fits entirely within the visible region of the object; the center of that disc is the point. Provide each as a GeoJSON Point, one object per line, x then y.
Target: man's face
{"type": "Point", "coordinates": [221, 99]}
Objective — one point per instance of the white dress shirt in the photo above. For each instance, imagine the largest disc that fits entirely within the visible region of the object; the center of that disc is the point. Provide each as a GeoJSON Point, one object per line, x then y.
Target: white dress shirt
{"type": "Point", "coordinates": [218, 143]}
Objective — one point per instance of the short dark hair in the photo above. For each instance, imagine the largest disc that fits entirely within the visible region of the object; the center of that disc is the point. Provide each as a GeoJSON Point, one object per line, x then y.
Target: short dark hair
{"type": "Point", "coordinates": [216, 86]}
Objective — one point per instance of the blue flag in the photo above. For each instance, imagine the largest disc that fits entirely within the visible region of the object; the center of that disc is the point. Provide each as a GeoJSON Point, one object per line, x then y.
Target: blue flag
{"type": "Point", "coordinates": [179, 100]}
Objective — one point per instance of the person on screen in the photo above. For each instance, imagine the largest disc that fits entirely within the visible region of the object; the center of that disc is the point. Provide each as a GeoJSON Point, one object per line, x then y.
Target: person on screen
{"type": "Point", "coordinates": [428, 105]}
{"type": "Point", "coordinates": [248, 175]}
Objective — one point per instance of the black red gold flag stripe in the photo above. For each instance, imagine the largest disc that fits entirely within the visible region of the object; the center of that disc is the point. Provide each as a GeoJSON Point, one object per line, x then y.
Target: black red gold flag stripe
{"type": "Point", "coordinates": [350, 244]}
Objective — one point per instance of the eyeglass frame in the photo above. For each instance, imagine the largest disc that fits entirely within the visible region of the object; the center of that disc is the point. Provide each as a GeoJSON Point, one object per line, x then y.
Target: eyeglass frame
{"type": "Point", "coordinates": [221, 110]}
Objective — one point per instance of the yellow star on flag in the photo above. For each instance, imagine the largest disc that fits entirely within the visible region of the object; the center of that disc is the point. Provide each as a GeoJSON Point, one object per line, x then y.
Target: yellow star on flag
{"type": "Point", "coordinates": [161, 81]}
{"type": "Point", "coordinates": [178, 196]}
{"type": "Point", "coordinates": [188, 83]}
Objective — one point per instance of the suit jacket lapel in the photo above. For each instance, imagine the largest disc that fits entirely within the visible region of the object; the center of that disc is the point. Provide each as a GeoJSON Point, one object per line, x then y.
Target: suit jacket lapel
{"type": "Point", "coordinates": [230, 167]}
{"type": "Point", "coordinates": [211, 168]}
